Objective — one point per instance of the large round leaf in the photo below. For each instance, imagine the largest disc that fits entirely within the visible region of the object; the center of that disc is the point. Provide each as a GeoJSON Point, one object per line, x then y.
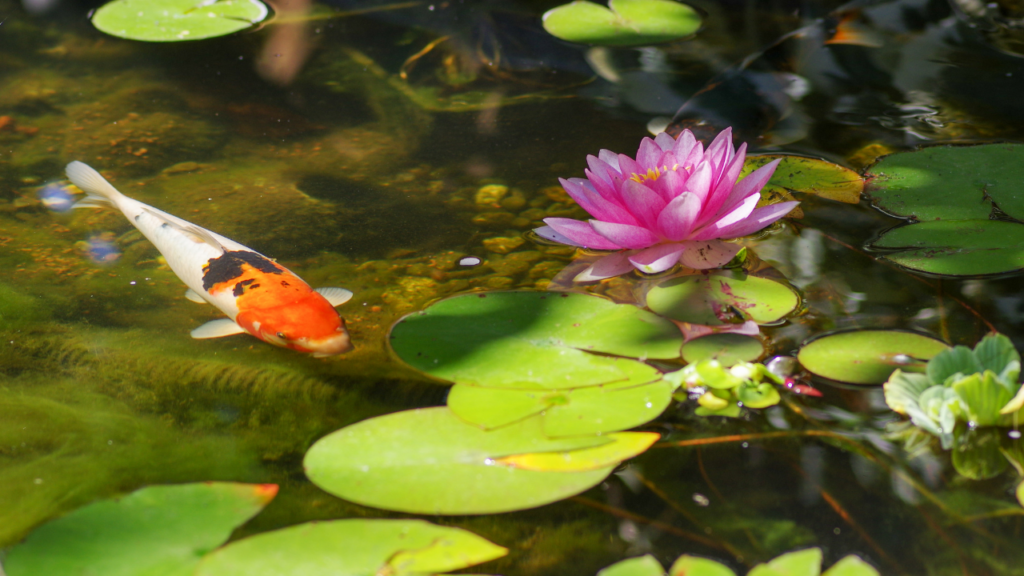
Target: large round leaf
{"type": "Point", "coordinates": [950, 182]}
{"type": "Point", "coordinates": [868, 356]}
{"type": "Point", "coordinates": [534, 340]}
{"type": "Point", "coordinates": [352, 547]}
{"type": "Point", "coordinates": [156, 530]}
{"type": "Point", "coordinates": [728, 349]}
{"type": "Point", "coordinates": [177, 20]}
{"type": "Point", "coordinates": [809, 176]}
{"type": "Point", "coordinates": [715, 299]}
{"type": "Point", "coordinates": [428, 461]}
{"type": "Point", "coordinates": [956, 247]}
{"type": "Point", "coordinates": [567, 412]}
{"type": "Point", "coordinates": [623, 23]}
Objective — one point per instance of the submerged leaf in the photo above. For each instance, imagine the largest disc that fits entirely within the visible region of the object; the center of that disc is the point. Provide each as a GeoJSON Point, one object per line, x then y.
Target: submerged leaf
{"type": "Point", "coordinates": [976, 453]}
{"type": "Point", "coordinates": [154, 530]}
{"type": "Point", "coordinates": [369, 547]}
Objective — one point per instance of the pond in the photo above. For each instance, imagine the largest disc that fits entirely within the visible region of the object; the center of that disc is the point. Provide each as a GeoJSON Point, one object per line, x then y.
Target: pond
{"type": "Point", "coordinates": [517, 393]}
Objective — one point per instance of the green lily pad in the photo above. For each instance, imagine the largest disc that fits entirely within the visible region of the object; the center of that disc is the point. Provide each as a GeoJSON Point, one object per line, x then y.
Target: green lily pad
{"type": "Point", "coordinates": [809, 176]}
{"type": "Point", "coordinates": [177, 20]}
{"type": "Point", "coordinates": [645, 565]}
{"type": "Point", "coordinates": [851, 566]}
{"type": "Point", "coordinates": [950, 182]}
{"type": "Point", "coordinates": [956, 247]}
{"type": "Point", "coordinates": [352, 547]}
{"type": "Point", "coordinates": [687, 565]}
{"type": "Point", "coordinates": [719, 298]}
{"type": "Point", "coordinates": [428, 461]}
{"type": "Point", "coordinates": [156, 530]}
{"type": "Point", "coordinates": [624, 445]}
{"type": "Point", "coordinates": [570, 412]}
{"type": "Point", "coordinates": [623, 23]}
{"type": "Point", "coordinates": [800, 563]}
{"type": "Point", "coordinates": [728, 349]}
{"type": "Point", "coordinates": [868, 356]}
{"type": "Point", "coordinates": [534, 340]}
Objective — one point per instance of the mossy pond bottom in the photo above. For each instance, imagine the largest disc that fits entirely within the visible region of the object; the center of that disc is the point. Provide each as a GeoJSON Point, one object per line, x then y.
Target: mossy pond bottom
{"type": "Point", "coordinates": [406, 152]}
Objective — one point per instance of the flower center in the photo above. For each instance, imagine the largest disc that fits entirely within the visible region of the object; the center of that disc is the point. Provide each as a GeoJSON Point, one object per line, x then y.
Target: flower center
{"type": "Point", "coordinates": [655, 173]}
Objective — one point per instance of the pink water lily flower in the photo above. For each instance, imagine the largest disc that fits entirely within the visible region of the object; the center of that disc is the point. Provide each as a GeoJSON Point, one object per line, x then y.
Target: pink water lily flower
{"type": "Point", "coordinates": [675, 203]}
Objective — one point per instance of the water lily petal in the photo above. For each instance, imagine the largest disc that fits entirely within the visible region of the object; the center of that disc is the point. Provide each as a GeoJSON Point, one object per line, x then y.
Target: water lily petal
{"type": "Point", "coordinates": [758, 219]}
{"type": "Point", "coordinates": [657, 258]}
{"type": "Point", "coordinates": [699, 183]}
{"type": "Point", "coordinates": [752, 184]}
{"type": "Point", "coordinates": [610, 158]}
{"type": "Point", "coordinates": [708, 254]}
{"type": "Point", "coordinates": [611, 265]}
{"type": "Point", "coordinates": [692, 159]}
{"type": "Point", "coordinates": [720, 152]}
{"type": "Point", "coordinates": [665, 141]}
{"type": "Point", "coordinates": [623, 235]}
{"type": "Point", "coordinates": [628, 167]}
{"type": "Point", "coordinates": [548, 233]}
{"type": "Point", "coordinates": [649, 154]}
{"type": "Point", "coordinates": [685, 143]}
{"type": "Point", "coordinates": [595, 202]}
{"type": "Point", "coordinates": [580, 234]}
{"type": "Point", "coordinates": [642, 202]}
{"type": "Point", "coordinates": [676, 221]}
{"type": "Point", "coordinates": [723, 187]}
{"type": "Point", "coordinates": [671, 184]}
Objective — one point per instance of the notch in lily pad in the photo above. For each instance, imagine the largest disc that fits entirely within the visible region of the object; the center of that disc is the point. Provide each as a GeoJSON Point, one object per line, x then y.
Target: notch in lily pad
{"type": "Point", "coordinates": [623, 22]}
{"type": "Point", "coordinates": [363, 546]}
{"type": "Point", "coordinates": [158, 529]}
{"type": "Point", "coordinates": [177, 20]}
{"type": "Point", "coordinates": [868, 357]}
{"type": "Point", "coordinates": [427, 461]}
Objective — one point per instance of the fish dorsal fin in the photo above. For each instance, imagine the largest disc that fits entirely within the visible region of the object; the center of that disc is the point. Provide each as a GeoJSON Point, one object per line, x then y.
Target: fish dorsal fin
{"type": "Point", "coordinates": [200, 234]}
{"type": "Point", "coordinates": [194, 296]}
{"type": "Point", "coordinates": [336, 296]}
{"type": "Point", "coordinates": [217, 329]}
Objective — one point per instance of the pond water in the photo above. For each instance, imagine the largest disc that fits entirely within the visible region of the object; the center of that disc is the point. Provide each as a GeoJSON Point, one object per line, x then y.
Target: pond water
{"type": "Point", "coordinates": [375, 146]}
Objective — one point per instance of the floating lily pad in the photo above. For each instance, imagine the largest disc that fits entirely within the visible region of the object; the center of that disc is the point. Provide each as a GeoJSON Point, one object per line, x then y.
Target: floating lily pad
{"type": "Point", "coordinates": [727, 348]}
{"type": "Point", "coordinates": [622, 23]}
{"type": "Point", "coordinates": [851, 566]}
{"type": "Point", "coordinates": [950, 182]}
{"type": "Point", "coordinates": [177, 20]}
{"type": "Point", "coordinates": [428, 461]}
{"type": "Point", "coordinates": [868, 356]}
{"type": "Point", "coordinates": [624, 445]}
{"type": "Point", "coordinates": [155, 530]}
{"type": "Point", "coordinates": [352, 547]}
{"type": "Point", "coordinates": [645, 565]}
{"type": "Point", "coordinates": [716, 299]}
{"type": "Point", "coordinates": [567, 412]}
{"type": "Point", "coordinates": [800, 563]}
{"type": "Point", "coordinates": [534, 340]}
{"type": "Point", "coordinates": [687, 565]}
{"type": "Point", "coordinates": [809, 176]}
{"type": "Point", "coordinates": [956, 247]}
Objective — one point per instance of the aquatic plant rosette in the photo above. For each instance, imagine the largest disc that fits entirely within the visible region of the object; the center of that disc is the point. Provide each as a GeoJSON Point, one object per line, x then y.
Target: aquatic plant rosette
{"type": "Point", "coordinates": [675, 203]}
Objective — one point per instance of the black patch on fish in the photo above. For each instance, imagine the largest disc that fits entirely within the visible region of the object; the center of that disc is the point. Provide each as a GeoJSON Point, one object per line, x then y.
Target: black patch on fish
{"type": "Point", "coordinates": [242, 286]}
{"type": "Point", "coordinates": [228, 266]}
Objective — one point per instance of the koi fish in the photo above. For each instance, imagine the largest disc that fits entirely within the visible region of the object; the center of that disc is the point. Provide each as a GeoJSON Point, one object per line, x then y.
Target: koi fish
{"type": "Point", "coordinates": [259, 296]}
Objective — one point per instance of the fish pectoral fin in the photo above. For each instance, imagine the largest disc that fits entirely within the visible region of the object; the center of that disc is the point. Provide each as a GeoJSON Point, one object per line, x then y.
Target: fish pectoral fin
{"type": "Point", "coordinates": [217, 329]}
{"type": "Point", "coordinates": [336, 296]}
{"type": "Point", "coordinates": [194, 296]}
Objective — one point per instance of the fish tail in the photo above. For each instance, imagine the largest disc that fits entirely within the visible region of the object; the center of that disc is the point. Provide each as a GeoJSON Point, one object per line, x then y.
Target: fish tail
{"type": "Point", "coordinates": [99, 192]}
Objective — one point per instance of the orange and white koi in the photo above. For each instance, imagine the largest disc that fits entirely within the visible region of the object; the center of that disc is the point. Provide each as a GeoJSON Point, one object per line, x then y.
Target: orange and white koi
{"type": "Point", "coordinates": [259, 296]}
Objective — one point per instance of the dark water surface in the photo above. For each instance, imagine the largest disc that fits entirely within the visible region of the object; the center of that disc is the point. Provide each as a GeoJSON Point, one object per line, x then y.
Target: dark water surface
{"type": "Point", "coordinates": [354, 176]}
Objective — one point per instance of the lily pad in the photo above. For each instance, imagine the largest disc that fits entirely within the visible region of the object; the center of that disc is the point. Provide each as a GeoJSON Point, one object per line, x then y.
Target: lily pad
{"type": "Point", "coordinates": [428, 461]}
{"type": "Point", "coordinates": [352, 547]}
{"type": "Point", "coordinates": [624, 445]}
{"type": "Point", "coordinates": [155, 530]}
{"type": "Point", "coordinates": [728, 349]}
{"type": "Point", "coordinates": [622, 23]}
{"type": "Point", "coordinates": [950, 182]}
{"type": "Point", "coordinates": [721, 298]}
{"type": "Point", "coordinates": [567, 412]}
{"type": "Point", "coordinates": [956, 247]}
{"type": "Point", "coordinates": [687, 565]}
{"type": "Point", "coordinates": [534, 340]}
{"type": "Point", "coordinates": [809, 176]}
{"type": "Point", "coordinates": [800, 563]}
{"type": "Point", "coordinates": [177, 20]}
{"type": "Point", "coordinates": [646, 565]}
{"type": "Point", "coordinates": [868, 356]}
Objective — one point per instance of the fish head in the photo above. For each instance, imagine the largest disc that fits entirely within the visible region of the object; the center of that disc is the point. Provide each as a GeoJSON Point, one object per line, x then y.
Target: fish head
{"type": "Point", "coordinates": [310, 325]}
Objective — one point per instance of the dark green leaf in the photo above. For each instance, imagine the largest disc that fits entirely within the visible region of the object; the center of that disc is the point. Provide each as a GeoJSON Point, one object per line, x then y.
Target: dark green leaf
{"type": "Point", "coordinates": [868, 356]}
{"type": "Point", "coordinates": [956, 247]}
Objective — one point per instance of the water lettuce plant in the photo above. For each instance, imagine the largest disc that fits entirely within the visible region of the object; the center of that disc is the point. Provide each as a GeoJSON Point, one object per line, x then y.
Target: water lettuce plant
{"type": "Point", "coordinates": [800, 563]}
{"type": "Point", "coordinates": [675, 203]}
{"type": "Point", "coordinates": [623, 22]}
{"type": "Point", "coordinates": [977, 387]}
{"type": "Point", "coordinates": [724, 391]}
